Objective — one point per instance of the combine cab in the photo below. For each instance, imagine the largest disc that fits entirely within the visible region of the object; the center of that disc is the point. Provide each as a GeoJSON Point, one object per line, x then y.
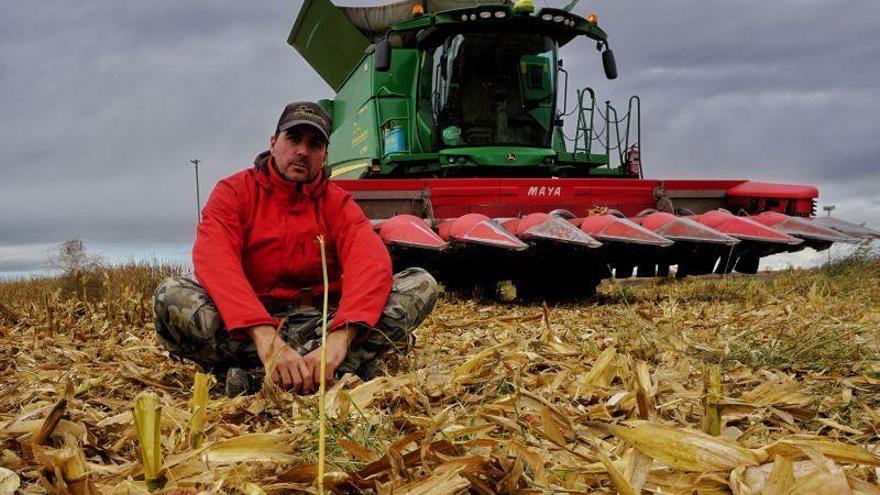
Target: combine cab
{"type": "Point", "coordinates": [448, 130]}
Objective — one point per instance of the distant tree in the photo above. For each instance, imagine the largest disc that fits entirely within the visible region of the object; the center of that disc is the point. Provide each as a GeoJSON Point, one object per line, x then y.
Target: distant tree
{"type": "Point", "coordinates": [72, 258]}
{"type": "Point", "coordinates": [79, 270]}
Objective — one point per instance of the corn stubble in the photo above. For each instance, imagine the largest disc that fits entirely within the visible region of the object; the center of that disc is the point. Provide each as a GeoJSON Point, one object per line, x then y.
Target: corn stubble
{"type": "Point", "coordinates": [745, 386]}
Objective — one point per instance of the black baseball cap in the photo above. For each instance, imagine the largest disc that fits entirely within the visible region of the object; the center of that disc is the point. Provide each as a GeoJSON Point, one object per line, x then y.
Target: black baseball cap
{"type": "Point", "coordinates": [307, 113]}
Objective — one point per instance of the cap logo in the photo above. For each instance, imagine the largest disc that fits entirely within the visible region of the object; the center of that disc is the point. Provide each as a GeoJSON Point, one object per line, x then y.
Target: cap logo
{"type": "Point", "coordinates": [305, 112]}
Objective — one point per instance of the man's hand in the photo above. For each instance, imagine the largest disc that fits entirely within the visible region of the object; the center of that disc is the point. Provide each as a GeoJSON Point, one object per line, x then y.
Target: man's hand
{"type": "Point", "coordinates": [337, 349]}
{"type": "Point", "coordinates": [291, 371]}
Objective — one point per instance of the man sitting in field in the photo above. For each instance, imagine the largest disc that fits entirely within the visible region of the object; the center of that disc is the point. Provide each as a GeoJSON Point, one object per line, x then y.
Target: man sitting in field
{"type": "Point", "coordinates": [258, 261]}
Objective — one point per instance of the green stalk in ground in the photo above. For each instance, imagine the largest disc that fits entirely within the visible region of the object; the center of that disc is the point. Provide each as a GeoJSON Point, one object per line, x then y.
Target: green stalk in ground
{"type": "Point", "coordinates": [198, 406]}
{"type": "Point", "coordinates": [148, 423]}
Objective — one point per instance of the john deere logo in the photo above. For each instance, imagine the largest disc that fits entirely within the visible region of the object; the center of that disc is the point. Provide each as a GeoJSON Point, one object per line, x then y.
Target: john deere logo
{"type": "Point", "coordinates": [304, 112]}
{"type": "Point", "coordinates": [511, 157]}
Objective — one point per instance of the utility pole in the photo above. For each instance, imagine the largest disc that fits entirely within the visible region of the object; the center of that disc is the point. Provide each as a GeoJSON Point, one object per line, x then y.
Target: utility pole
{"type": "Point", "coordinates": [196, 162]}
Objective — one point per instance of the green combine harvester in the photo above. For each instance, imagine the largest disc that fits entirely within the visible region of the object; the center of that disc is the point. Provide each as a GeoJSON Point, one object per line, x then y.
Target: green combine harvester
{"type": "Point", "coordinates": [448, 129]}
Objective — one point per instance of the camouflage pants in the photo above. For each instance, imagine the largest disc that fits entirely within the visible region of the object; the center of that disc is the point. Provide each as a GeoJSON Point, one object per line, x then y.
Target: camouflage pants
{"type": "Point", "coordinates": [189, 326]}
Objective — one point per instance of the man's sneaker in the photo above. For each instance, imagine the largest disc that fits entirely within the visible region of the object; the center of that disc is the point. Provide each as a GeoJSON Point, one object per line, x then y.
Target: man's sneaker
{"type": "Point", "coordinates": [241, 382]}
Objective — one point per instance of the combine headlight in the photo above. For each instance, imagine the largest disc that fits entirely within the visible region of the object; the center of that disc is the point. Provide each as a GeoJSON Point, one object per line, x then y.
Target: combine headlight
{"type": "Point", "coordinates": [485, 14]}
{"type": "Point", "coordinates": [473, 17]}
{"type": "Point", "coordinates": [547, 17]}
{"type": "Point", "coordinates": [500, 14]}
{"type": "Point", "coordinates": [464, 17]}
{"type": "Point", "coordinates": [558, 18]}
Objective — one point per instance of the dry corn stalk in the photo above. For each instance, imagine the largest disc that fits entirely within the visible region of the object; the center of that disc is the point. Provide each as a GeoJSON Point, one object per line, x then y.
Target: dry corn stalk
{"type": "Point", "coordinates": [602, 372]}
{"type": "Point", "coordinates": [148, 423]}
{"type": "Point", "coordinates": [712, 399]}
{"type": "Point", "coordinates": [40, 436]}
{"type": "Point", "coordinates": [198, 406]}
{"type": "Point", "coordinates": [644, 390]}
{"type": "Point", "coordinates": [322, 389]}
{"type": "Point", "coordinates": [76, 471]}
{"type": "Point", "coordinates": [685, 449]}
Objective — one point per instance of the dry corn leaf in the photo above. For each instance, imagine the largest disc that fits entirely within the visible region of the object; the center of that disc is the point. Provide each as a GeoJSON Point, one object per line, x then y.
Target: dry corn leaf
{"type": "Point", "coordinates": [254, 447]}
{"type": "Point", "coordinates": [506, 376]}
{"type": "Point", "coordinates": [780, 394]}
{"type": "Point", "coordinates": [357, 450]}
{"type": "Point", "coordinates": [603, 370]}
{"type": "Point", "coordinates": [550, 428]}
{"type": "Point", "coordinates": [684, 448]}
{"type": "Point", "coordinates": [837, 426]}
{"type": "Point", "coordinates": [445, 480]}
{"type": "Point", "coordinates": [826, 480]}
{"type": "Point", "coordinates": [9, 481]}
{"type": "Point", "coordinates": [61, 428]}
{"type": "Point", "coordinates": [248, 488]}
{"type": "Point", "coordinates": [862, 487]}
{"type": "Point", "coordinates": [794, 447]}
{"type": "Point", "coordinates": [621, 484]}
{"type": "Point", "coordinates": [532, 461]}
{"type": "Point", "coordinates": [781, 477]}
{"type": "Point", "coordinates": [637, 468]}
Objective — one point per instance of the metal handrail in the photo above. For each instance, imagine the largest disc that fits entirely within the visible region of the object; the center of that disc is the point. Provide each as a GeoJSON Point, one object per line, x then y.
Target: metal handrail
{"type": "Point", "coordinates": [582, 128]}
{"type": "Point", "coordinates": [623, 141]}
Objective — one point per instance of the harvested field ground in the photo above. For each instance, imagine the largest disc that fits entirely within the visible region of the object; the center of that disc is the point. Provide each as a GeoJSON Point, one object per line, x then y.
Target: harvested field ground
{"type": "Point", "coordinates": [610, 395]}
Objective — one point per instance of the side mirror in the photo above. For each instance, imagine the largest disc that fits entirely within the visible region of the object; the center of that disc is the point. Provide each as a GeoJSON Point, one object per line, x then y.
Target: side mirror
{"type": "Point", "coordinates": [383, 56]}
{"type": "Point", "coordinates": [609, 64]}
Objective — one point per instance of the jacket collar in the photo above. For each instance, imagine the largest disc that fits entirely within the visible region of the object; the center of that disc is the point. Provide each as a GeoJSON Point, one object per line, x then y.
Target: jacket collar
{"type": "Point", "coordinates": [268, 176]}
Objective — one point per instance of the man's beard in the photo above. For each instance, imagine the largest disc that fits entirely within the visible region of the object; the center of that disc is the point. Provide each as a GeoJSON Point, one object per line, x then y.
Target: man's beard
{"type": "Point", "coordinates": [300, 178]}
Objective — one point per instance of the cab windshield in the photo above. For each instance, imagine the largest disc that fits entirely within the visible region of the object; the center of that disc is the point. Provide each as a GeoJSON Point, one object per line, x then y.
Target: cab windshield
{"type": "Point", "coordinates": [496, 88]}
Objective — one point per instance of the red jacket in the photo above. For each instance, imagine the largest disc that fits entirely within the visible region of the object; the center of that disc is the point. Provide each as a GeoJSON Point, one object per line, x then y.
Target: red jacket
{"type": "Point", "coordinates": [256, 248]}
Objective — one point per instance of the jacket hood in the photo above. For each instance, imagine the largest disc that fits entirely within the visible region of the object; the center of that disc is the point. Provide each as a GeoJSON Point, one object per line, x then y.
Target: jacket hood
{"type": "Point", "coordinates": [270, 178]}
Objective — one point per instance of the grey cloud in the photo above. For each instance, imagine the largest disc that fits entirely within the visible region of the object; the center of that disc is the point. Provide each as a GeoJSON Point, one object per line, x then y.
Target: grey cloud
{"type": "Point", "coordinates": [106, 102]}
{"type": "Point", "coordinates": [782, 91]}
{"type": "Point", "coordinates": [15, 258]}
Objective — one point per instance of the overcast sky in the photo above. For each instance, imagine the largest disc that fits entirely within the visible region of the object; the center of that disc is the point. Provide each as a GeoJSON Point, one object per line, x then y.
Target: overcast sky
{"type": "Point", "coordinates": [104, 103]}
